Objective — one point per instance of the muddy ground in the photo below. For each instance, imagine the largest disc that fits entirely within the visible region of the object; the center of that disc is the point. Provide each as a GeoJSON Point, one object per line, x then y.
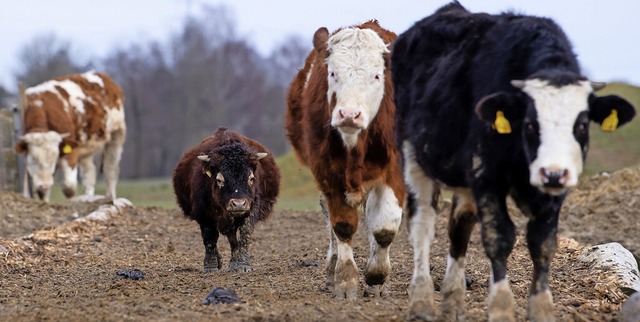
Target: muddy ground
{"type": "Point", "coordinates": [55, 268]}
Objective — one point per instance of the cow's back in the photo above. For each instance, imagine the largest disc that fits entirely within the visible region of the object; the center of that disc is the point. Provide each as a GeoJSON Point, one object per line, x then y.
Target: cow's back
{"type": "Point", "coordinates": [463, 57]}
{"type": "Point", "coordinates": [87, 107]}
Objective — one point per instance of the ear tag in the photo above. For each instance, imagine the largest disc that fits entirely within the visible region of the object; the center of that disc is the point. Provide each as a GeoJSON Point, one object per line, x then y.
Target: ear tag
{"type": "Point", "coordinates": [208, 173]}
{"type": "Point", "coordinates": [610, 123]}
{"type": "Point", "coordinates": [501, 124]}
{"type": "Point", "coordinates": [66, 149]}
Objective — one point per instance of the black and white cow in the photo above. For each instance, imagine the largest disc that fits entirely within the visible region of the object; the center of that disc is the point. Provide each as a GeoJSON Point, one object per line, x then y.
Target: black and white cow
{"type": "Point", "coordinates": [491, 106]}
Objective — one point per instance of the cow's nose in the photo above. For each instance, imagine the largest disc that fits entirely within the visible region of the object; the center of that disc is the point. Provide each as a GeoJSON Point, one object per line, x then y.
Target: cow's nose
{"type": "Point", "coordinates": [238, 205]}
{"type": "Point", "coordinates": [41, 190]}
{"type": "Point", "coordinates": [349, 115]}
{"type": "Point", "coordinates": [554, 178]}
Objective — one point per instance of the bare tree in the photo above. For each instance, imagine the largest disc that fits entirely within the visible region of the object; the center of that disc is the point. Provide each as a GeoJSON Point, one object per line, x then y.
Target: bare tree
{"type": "Point", "coordinates": [44, 57]}
{"type": "Point", "coordinates": [205, 76]}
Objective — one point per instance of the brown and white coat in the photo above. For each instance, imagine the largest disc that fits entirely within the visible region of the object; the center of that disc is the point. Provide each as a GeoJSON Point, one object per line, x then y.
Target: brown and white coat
{"type": "Point", "coordinates": [339, 120]}
{"type": "Point", "coordinates": [67, 121]}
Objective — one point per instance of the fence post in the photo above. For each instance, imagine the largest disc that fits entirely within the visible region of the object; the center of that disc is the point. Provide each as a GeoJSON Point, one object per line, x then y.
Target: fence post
{"type": "Point", "coordinates": [18, 116]}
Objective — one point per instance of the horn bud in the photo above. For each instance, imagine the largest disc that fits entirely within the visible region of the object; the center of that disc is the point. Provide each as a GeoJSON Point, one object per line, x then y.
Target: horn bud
{"type": "Point", "coordinates": [517, 83]}
{"type": "Point", "coordinates": [261, 155]}
{"type": "Point", "coordinates": [598, 85]}
{"type": "Point", "coordinates": [204, 158]}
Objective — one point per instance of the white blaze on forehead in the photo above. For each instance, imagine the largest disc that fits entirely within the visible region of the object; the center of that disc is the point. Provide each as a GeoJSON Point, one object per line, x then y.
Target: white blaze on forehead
{"type": "Point", "coordinates": [92, 77]}
{"type": "Point", "coordinates": [355, 59]}
{"type": "Point", "coordinates": [76, 94]}
{"type": "Point", "coordinates": [557, 111]}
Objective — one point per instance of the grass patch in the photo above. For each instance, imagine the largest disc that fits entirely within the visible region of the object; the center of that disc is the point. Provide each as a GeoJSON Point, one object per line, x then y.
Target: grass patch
{"type": "Point", "coordinates": [149, 192]}
{"type": "Point", "coordinates": [613, 151]}
{"type": "Point", "coordinates": [297, 190]}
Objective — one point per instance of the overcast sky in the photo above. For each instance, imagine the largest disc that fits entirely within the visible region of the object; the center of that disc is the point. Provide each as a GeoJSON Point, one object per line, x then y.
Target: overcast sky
{"type": "Point", "coordinates": [605, 34]}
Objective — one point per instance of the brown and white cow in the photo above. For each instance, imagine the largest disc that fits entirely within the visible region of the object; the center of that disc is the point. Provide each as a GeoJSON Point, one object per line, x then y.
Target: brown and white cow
{"type": "Point", "coordinates": [339, 120]}
{"type": "Point", "coordinates": [67, 121]}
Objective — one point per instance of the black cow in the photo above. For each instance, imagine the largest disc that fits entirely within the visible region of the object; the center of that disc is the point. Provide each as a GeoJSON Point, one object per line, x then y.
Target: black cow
{"type": "Point", "coordinates": [491, 106]}
{"type": "Point", "coordinates": [227, 183]}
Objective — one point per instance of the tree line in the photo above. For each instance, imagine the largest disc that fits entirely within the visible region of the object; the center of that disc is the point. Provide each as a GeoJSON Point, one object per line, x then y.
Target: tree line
{"type": "Point", "coordinates": [180, 90]}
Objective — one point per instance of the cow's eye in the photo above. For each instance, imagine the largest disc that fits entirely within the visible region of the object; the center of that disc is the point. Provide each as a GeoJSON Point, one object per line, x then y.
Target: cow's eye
{"type": "Point", "coordinates": [530, 128]}
{"type": "Point", "coordinates": [220, 180]}
{"type": "Point", "coordinates": [377, 77]}
{"type": "Point", "coordinates": [332, 74]}
{"type": "Point", "coordinates": [582, 128]}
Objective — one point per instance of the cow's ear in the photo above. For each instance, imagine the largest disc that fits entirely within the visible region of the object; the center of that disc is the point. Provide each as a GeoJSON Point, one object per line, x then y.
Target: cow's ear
{"type": "Point", "coordinates": [22, 147]}
{"type": "Point", "coordinates": [501, 110]}
{"type": "Point", "coordinates": [320, 38]}
{"type": "Point", "coordinates": [610, 111]}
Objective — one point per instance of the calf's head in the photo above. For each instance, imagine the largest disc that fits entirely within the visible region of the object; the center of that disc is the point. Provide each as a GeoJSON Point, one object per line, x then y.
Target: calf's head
{"type": "Point", "coordinates": [232, 172]}
{"type": "Point", "coordinates": [43, 149]}
{"type": "Point", "coordinates": [356, 61]}
{"type": "Point", "coordinates": [552, 114]}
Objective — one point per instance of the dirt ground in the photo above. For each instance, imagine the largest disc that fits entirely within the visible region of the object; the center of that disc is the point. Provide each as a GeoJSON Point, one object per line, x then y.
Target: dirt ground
{"type": "Point", "coordinates": [54, 268]}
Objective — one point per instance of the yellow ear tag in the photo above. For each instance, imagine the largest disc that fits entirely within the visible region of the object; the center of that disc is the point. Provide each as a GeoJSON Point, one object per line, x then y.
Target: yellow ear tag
{"type": "Point", "coordinates": [208, 173]}
{"type": "Point", "coordinates": [610, 123]}
{"type": "Point", "coordinates": [66, 149]}
{"type": "Point", "coordinates": [501, 124]}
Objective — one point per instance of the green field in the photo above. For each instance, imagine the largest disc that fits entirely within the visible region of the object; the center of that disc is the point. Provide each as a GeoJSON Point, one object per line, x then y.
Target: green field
{"type": "Point", "coordinates": [612, 151]}
{"type": "Point", "coordinates": [609, 152]}
{"type": "Point", "coordinates": [297, 191]}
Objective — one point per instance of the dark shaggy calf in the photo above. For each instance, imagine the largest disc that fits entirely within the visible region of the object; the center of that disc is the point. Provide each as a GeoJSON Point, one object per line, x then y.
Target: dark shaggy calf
{"type": "Point", "coordinates": [227, 183]}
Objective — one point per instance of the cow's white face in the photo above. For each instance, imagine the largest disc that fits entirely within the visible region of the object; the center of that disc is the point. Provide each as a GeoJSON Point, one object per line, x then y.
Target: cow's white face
{"type": "Point", "coordinates": [355, 67]}
{"type": "Point", "coordinates": [42, 156]}
{"type": "Point", "coordinates": [561, 121]}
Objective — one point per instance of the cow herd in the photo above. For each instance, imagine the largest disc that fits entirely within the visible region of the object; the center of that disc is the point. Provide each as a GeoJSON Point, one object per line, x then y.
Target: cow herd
{"type": "Point", "coordinates": [485, 106]}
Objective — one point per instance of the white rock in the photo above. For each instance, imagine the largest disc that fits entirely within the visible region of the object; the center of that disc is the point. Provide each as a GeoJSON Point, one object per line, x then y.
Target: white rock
{"type": "Point", "coordinates": [616, 259]}
{"type": "Point", "coordinates": [122, 203]}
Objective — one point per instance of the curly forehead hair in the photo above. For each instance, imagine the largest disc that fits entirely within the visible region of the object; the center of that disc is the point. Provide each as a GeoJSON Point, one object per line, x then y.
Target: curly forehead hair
{"type": "Point", "coordinates": [233, 156]}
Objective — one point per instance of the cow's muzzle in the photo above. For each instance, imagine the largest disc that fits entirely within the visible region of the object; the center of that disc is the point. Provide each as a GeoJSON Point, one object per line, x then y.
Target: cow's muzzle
{"type": "Point", "coordinates": [42, 189]}
{"type": "Point", "coordinates": [238, 206]}
{"type": "Point", "coordinates": [554, 181]}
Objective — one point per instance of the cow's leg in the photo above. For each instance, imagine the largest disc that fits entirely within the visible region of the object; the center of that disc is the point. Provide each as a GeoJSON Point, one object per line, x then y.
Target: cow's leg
{"type": "Point", "coordinates": [240, 258]}
{"type": "Point", "coordinates": [344, 222]}
{"type": "Point", "coordinates": [88, 175]}
{"type": "Point", "coordinates": [70, 178]}
{"type": "Point", "coordinates": [383, 216]}
{"type": "Point", "coordinates": [498, 237]}
{"type": "Point", "coordinates": [212, 257]}
{"type": "Point", "coordinates": [111, 161]}
{"type": "Point", "coordinates": [422, 216]}
{"type": "Point", "coordinates": [332, 256]}
{"type": "Point", "coordinates": [461, 222]}
{"type": "Point", "coordinates": [541, 240]}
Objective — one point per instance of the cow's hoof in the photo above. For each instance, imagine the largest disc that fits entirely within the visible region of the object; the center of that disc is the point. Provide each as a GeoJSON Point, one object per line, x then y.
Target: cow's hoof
{"type": "Point", "coordinates": [378, 290]}
{"type": "Point", "coordinates": [422, 311]}
{"type": "Point", "coordinates": [212, 261]}
{"type": "Point", "coordinates": [346, 290]}
{"type": "Point", "coordinates": [69, 192]}
{"type": "Point", "coordinates": [239, 267]}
